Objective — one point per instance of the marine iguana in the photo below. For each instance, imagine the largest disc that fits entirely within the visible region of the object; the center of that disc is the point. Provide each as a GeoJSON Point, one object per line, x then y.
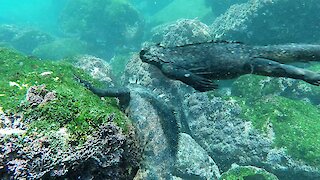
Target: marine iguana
{"type": "Point", "coordinates": [166, 111]}
{"type": "Point", "coordinates": [198, 65]}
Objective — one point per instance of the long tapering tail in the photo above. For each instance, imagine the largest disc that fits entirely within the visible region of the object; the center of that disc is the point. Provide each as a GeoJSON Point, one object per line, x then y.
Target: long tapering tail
{"type": "Point", "coordinates": [289, 53]}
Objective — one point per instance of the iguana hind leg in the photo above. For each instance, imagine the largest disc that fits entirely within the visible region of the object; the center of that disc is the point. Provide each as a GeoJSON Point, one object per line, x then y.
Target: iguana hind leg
{"type": "Point", "coordinates": [271, 68]}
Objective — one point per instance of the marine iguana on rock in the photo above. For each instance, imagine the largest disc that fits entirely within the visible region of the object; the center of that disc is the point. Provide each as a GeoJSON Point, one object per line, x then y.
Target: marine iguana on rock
{"type": "Point", "coordinates": [199, 64]}
{"type": "Point", "coordinates": [165, 111]}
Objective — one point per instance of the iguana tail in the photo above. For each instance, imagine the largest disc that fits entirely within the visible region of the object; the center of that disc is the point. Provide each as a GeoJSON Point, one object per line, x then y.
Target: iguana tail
{"type": "Point", "coordinates": [289, 53]}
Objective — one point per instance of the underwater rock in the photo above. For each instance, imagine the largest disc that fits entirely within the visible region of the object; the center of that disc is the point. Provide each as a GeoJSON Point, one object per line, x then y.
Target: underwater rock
{"type": "Point", "coordinates": [22, 38]}
{"type": "Point", "coordinates": [27, 40]}
{"type": "Point", "coordinates": [8, 32]}
{"type": "Point", "coordinates": [182, 31]}
{"type": "Point", "coordinates": [255, 87]}
{"type": "Point", "coordinates": [53, 128]}
{"type": "Point", "coordinates": [217, 125]}
{"type": "Point", "coordinates": [105, 25]}
{"type": "Point", "coordinates": [31, 157]}
{"type": "Point", "coordinates": [37, 95]}
{"type": "Point", "coordinates": [12, 124]}
{"type": "Point", "coordinates": [269, 22]}
{"type": "Point", "coordinates": [247, 172]}
{"type": "Point", "coordinates": [60, 48]}
{"type": "Point", "coordinates": [193, 162]}
{"type": "Point", "coordinates": [96, 67]}
{"type": "Point", "coordinates": [158, 156]}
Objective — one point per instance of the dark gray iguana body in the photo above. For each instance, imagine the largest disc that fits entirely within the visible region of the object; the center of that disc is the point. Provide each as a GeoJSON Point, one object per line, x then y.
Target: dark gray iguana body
{"type": "Point", "coordinates": [169, 123]}
{"type": "Point", "coordinates": [199, 64]}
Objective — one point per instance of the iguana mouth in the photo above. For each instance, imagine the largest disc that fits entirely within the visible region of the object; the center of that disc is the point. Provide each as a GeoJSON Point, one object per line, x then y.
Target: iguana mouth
{"type": "Point", "coordinates": [147, 57]}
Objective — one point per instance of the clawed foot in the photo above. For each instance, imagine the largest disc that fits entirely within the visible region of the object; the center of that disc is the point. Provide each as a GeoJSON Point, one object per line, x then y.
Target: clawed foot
{"type": "Point", "coordinates": [203, 84]}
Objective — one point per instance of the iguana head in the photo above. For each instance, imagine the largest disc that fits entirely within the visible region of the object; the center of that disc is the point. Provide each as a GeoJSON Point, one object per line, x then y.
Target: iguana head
{"type": "Point", "coordinates": [152, 55]}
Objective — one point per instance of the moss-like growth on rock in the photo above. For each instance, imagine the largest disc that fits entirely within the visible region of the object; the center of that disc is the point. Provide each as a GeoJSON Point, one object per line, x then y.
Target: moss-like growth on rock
{"type": "Point", "coordinates": [253, 87]}
{"type": "Point", "coordinates": [60, 48]}
{"type": "Point", "coordinates": [295, 125]}
{"type": "Point", "coordinates": [275, 107]}
{"type": "Point", "coordinates": [73, 107]}
{"type": "Point", "coordinates": [104, 24]}
{"type": "Point", "coordinates": [247, 172]}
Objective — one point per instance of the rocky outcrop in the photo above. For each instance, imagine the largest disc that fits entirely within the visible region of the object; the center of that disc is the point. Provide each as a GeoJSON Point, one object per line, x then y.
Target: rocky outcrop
{"type": "Point", "coordinates": [216, 125]}
{"type": "Point", "coordinates": [193, 162]}
{"type": "Point", "coordinates": [269, 22]}
{"type": "Point", "coordinates": [23, 39]}
{"type": "Point", "coordinates": [181, 32]}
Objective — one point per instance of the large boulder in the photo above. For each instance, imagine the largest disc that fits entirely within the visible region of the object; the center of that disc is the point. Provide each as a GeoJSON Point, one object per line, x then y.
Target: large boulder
{"type": "Point", "coordinates": [258, 135]}
{"type": "Point", "coordinates": [23, 39]}
{"type": "Point", "coordinates": [193, 162]}
{"type": "Point", "coordinates": [52, 127]}
{"type": "Point", "coordinates": [106, 25]}
{"type": "Point", "coordinates": [181, 32]}
{"type": "Point", "coordinates": [269, 22]}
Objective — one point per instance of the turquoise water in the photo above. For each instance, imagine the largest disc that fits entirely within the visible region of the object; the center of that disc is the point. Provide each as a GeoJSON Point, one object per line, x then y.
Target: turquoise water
{"type": "Point", "coordinates": [125, 25]}
{"type": "Point", "coordinates": [35, 13]}
{"type": "Point", "coordinates": [249, 127]}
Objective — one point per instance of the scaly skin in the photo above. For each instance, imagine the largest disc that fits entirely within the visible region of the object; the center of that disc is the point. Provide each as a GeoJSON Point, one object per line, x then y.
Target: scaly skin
{"type": "Point", "coordinates": [165, 111]}
{"type": "Point", "coordinates": [198, 65]}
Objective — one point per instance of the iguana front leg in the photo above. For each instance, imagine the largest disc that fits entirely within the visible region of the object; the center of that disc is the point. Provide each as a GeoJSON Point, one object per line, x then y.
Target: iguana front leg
{"type": "Point", "coordinates": [267, 67]}
{"type": "Point", "coordinates": [197, 82]}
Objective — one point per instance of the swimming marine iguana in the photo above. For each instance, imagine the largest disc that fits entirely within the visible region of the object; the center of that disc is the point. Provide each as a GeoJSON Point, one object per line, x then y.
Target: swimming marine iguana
{"type": "Point", "coordinates": [124, 94]}
{"type": "Point", "coordinates": [199, 64]}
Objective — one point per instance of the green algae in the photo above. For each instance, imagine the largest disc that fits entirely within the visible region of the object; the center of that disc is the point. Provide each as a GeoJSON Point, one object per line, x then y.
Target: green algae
{"type": "Point", "coordinates": [250, 87]}
{"type": "Point", "coordinates": [60, 49]}
{"type": "Point", "coordinates": [294, 124]}
{"type": "Point", "coordinates": [247, 172]}
{"type": "Point", "coordinates": [74, 107]}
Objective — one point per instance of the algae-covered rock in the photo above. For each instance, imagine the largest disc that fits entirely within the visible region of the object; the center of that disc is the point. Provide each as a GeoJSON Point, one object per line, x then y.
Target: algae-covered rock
{"type": "Point", "coordinates": [247, 172]}
{"type": "Point", "coordinates": [22, 38]}
{"type": "Point", "coordinates": [286, 111]}
{"type": "Point", "coordinates": [293, 124]}
{"type": "Point", "coordinates": [193, 162]}
{"type": "Point", "coordinates": [181, 32]}
{"type": "Point", "coordinates": [60, 48]}
{"type": "Point", "coordinates": [104, 24]}
{"type": "Point", "coordinates": [98, 68]}
{"type": "Point", "coordinates": [28, 39]}
{"type": "Point", "coordinates": [253, 87]}
{"type": "Point", "coordinates": [269, 22]}
{"type": "Point", "coordinates": [52, 126]}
